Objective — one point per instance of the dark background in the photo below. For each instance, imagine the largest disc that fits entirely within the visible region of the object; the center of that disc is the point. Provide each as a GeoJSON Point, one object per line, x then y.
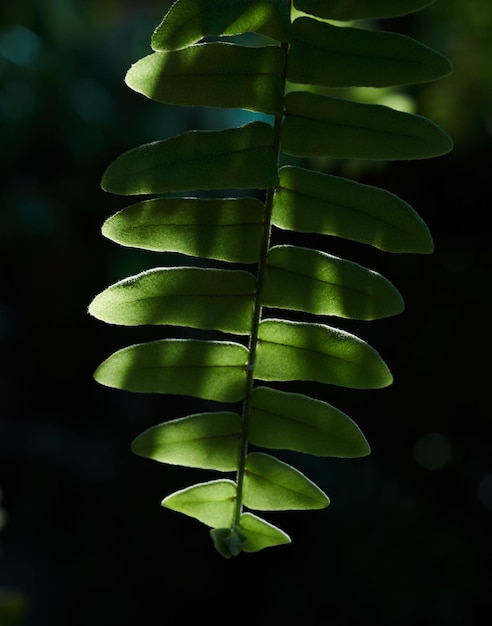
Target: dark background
{"type": "Point", "coordinates": [407, 537]}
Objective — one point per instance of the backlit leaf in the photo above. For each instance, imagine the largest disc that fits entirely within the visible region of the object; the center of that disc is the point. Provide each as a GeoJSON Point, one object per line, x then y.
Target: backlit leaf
{"type": "Point", "coordinates": [221, 159]}
{"type": "Point", "coordinates": [253, 534]}
{"type": "Point", "coordinates": [310, 201]}
{"type": "Point", "coordinates": [272, 485]}
{"type": "Point", "coordinates": [213, 74]}
{"type": "Point", "coordinates": [213, 370]}
{"type": "Point", "coordinates": [318, 125]}
{"type": "Point", "coordinates": [181, 296]}
{"type": "Point", "coordinates": [304, 351]}
{"type": "Point", "coordinates": [212, 503]}
{"type": "Point", "coordinates": [188, 21]}
{"type": "Point", "coordinates": [281, 420]}
{"type": "Point", "coordinates": [360, 9]}
{"type": "Point", "coordinates": [315, 282]}
{"type": "Point", "coordinates": [204, 440]}
{"type": "Point", "coordinates": [260, 534]}
{"type": "Point", "coordinates": [322, 54]}
{"type": "Point", "coordinates": [228, 541]}
{"type": "Point", "coordinates": [228, 229]}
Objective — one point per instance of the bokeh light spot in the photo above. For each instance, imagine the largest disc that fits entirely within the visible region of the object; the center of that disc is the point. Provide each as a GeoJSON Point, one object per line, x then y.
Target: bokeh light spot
{"type": "Point", "coordinates": [19, 45]}
{"type": "Point", "coordinates": [91, 101]}
{"type": "Point", "coordinates": [432, 451]}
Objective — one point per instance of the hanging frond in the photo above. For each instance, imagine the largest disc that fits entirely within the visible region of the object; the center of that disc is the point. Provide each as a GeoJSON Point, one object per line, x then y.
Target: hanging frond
{"type": "Point", "coordinates": [192, 66]}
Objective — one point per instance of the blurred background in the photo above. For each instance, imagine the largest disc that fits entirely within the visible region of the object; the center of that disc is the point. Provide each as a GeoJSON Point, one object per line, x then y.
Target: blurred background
{"type": "Point", "coordinates": [83, 540]}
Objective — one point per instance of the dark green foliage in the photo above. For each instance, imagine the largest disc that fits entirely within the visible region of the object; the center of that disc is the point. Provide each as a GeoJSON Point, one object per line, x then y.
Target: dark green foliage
{"type": "Point", "coordinates": [260, 344]}
{"type": "Point", "coordinates": [359, 9]}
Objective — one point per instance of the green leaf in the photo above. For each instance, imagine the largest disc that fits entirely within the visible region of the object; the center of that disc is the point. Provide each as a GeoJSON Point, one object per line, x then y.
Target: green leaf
{"type": "Point", "coordinates": [272, 485]}
{"type": "Point", "coordinates": [204, 440]}
{"type": "Point", "coordinates": [260, 534]}
{"type": "Point", "coordinates": [188, 21]}
{"type": "Point", "coordinates": [318, 125]}
{"type": "Point", "coordinates": [360, 9]}
{"type": "Point", "coordinates": [212, 503]}
{"type": "Point", "coordinates": [254, 534]}
{"type": "Point", "coordinates": [213, 370]}
{"type": "Point", "coordinates": [322, 54]}
{"type": "Point", "coordinates": [304, 351]}
{"type": "Point", "coordinates": [309, 201]}
{"type": "Point", "coordinates": [228, 541]}
{"type": "Point", "coordinates": [228, 229]}
{"type": "Point", "coordinates": [180, 296]}
{"type": "Point", "coordinates": [291, 421]}
{"type": "Point", "coordinates": [214, 74]}
{"type": "Point", "coordinates": [235, 157]}
{"type": "Point", "coordinates": [308, 280]}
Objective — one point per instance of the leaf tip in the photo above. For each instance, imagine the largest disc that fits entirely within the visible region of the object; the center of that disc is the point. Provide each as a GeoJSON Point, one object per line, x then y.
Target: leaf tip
{"type": "Point", "coordinates": [228, 541]}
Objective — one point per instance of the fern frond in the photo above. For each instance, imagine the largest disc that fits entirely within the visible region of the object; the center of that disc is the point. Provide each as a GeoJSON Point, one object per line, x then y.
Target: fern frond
{"type": "Point", "coordinates": [192, 65]}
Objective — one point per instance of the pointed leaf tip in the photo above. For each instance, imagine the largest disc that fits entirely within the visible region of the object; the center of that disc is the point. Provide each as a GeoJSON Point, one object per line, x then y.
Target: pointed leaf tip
{"type": "Point", "coordinates": [254, 534]}
{"type": "Point", "coordinates": [310, 201]}
{"type": "Point", "coordinates": [304, 351]}
{"type": "Point", "coordinates": [261, 534]}
{"type": "Point", "coordinates": [212, 370]}
{"type": "Point", "coordinates": [211, 503]}
{"type": "Point", "coordinates": [303, 279]}
{"type": "Point", "coordinates": [272, 485]}
{"type": "Point", "coordinates": [203, 440]}
{"type": "Point", "coordinates": [213, 75]}
{"type": "Point", "coordinates": [239, 158]}
{"type": "Point", "coordinates": [330, 56]}
{"type": "Point", "coordinates": [292, 421]}
{"type": "Point", "coordinates": [228, 229]}
{"type": "Point", "coordinates": [180, 296]}
{"type": "Point", "coordinates": [319, 125]}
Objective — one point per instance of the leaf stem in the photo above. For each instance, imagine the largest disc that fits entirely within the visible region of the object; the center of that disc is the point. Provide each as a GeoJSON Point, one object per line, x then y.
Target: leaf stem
{"type": "Point", "coordinates": [257, 316]}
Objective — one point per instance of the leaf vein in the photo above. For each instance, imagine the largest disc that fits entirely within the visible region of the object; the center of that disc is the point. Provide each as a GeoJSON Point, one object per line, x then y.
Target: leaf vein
{"type": "Point", "coordinates": [329, 122]}
{"type": "Point", "coordinates": [312, 350]}
{"type": "Point", "coordinates": [347, 207]}
{"type": "Point", "coordinates": [320, 280]}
